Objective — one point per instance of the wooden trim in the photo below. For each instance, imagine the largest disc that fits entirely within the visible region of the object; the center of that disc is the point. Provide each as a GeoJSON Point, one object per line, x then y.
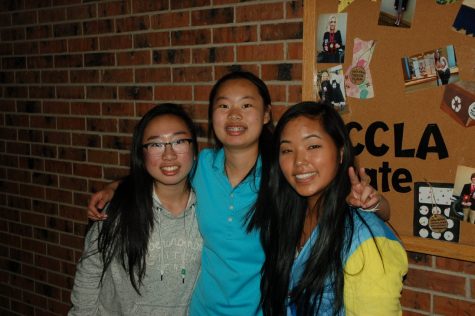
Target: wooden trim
{"type": "Point", "coordinates": [439, 248]}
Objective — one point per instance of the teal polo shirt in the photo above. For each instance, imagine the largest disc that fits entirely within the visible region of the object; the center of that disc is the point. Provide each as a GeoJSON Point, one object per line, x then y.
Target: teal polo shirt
{"type": "Point", "coordinates": [229, 283]}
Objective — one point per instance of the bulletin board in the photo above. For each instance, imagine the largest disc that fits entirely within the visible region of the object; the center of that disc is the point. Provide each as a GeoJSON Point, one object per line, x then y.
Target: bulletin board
{"type": "Point", "coordinates": [406, 126]}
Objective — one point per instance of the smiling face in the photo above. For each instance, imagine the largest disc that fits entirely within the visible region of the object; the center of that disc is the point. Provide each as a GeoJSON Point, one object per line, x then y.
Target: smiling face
{"type": "Point", "coordinates": [169, 168]}
{"type": "Point", "coordinates": [308, 157]}
{"type": "Point", "coordinates": [332, 23]}
{"type": "Point", "coordinates": [239, 114]}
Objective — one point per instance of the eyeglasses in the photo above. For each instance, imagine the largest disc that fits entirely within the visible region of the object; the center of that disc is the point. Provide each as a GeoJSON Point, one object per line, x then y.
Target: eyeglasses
{"type": "Point", "coordinates": [179, 146]}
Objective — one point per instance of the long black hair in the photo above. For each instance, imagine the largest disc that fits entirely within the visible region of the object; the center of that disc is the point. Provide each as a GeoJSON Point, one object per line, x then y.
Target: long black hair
{"type": "Point", "coordinates": [265, 139]}
{"type": "Point", "coordinates": [285, 215]}
{"type": "Point", "coordinates": [125, 233]}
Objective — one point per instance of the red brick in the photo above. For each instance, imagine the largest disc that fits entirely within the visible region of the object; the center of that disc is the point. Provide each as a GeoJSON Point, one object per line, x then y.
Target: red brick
{"type": "Point", "coordinates": [416, 300]}
{"type": "Point", "coordinates": [68, 61]}
{"type": "Point", "coordinates": [61, 196]}
{"type": "Point", "coordinates": [45, 122]}
{"type": "Point", "coordinates": [23, 77]}
{"type": "Point", "coordinates": [13, 34]}
{"type": "Point", "coordinates": [33, 245]}
{"type": "Point", "coordinates": [67, 29]}
{"type": "Point", "coordinates": [38, 31]}
{"type": "Point", "coordinates": [84, 76]}
{"type": "Point", "coordinates": [19, 175]}
{"type": "Point", "coordinates": [20, 308]}
{"type": "Point", "coordinates": [85, 108]}
{"type": "Point", "coordinates": [455, 265]}
{"type": "Point", "coordinates": [101, 125]}
{"type": "Point", "coordinates": [47, 262]}
{"type": "Point", "coordinates": [295, 94]}
{"type": "Point", "coordinates": [435, 281]}
{"type": "Point", "coordinates": [212, 16]}
{"type": "Point", "coordinates": [127, 125]}
{"type": "Point", "coordinates": [118, 109]}
{"type": "Point", "coordinates": [59, 138]}
{"type": "Point", "coordinates": [32, 191]}
{"type": "Point", "coordinates": [33, 299]}
{"type": "Point", "coordinates": [82, 44]}
{"type": "Point", "coordinates": [14, 63]}
{"type": "Point", "coordinates": [419, 259]}
{"type": "Point", "coordinates": [99, 59]}
{"type": "Point", "coordinates": [52, 15]}
{"type": "Point", "coordinates": [25, 48]}
{"type": "Point", "coordinates": [281, 31]}
{"type": "Point", "coordinates": [58, 307]}
{"type": "Point", "coordinates": [87, 170]}
{"type": "Point", "coordinates": [135, 57]}
{"type": "Point", "coordinates": [60, 167]}
{"type": "Point", "coordinates": [22, 282]}
{"type": "Point", "coordinates": [98, 27]}
{"type": "Point", "coordinates": [102, 157]}
{"type": "Point", "coordinates": [74, 154]}
{"type": "Point", "coordinates": [101, 92]}
{"type": "Point", "coordinates": [40, 62]}
{"type": "Point", "coordinates": [155, 39]}
{"type": "Point", "coordinates": [74, 213]}
{"type": "Point", "coordinates": [117, 75]}
{"type": "Point", "coordinates": [278, 93]}
{"type": "Point", "coordinates": [81, 12]}
{"type": "Point", "coordinates": [115, 42]}
{"type": "Point", "coordinates": [192, 74]}
{"type": "Point", "coordinates": [263, 52]}
{"type": "Point", "coordinates": [53, 46]}
{"type": "Point", "coordinates": [21, 256]}
{"type": "Point", "coordinates": [72, 241]}
{"type": "Point", "coordinates": [295, 50]}
{"type": "Point", "coordinates": [114, 8]}
{"type": "Point", "coordinates": [260, 12]}
{"type": "Point", "coordinates": [212, 55]}
{"type": "Point", "coordinates": [282, 72]}
{"type": "Point", "coordinates": [189, 4]}
{"type": "Point", "coordinates": [173, 93]}
{"type": "Point", "coordinates": [25, 17]}
{"type": "Point", "coordinates": [140, 6]}
{"type": "Point", "coordinates": [45, 207]}
{"type": "Point", "coordinates": [170, 20]}
{"type": "Point", "coordinates": [60, 280]}
{"type": "Point", "coordinates": [115, 173]}
{"type": "Point", "coordinates": [117, 142]}
{"type": "Point", "coordinates": [47, 290]}
{"type": "Point", "coordinates": [136, 93]}
{"type": "Point", "coordinates": [201, 93]}
{"type": "Point", "coordinates": [191, 37]}
{"type": "Point", "coordinates": [44, 92]}
{"type": "Point", "coordinates": [452, 306]}
{"type": "Point", "coordinates": [172, 56]}
{"type": "Point", "coordinates": [34, 273]}
{"type": "Point", "coordinates": [132, 24]}
{"type": "Point", "coordinates": [153, 75]}
{"type": "Point", "coordinates": [294, 9]}
{"type": "Point", "coordinates": [87, 140]}
{"type": "Point", "coordinates": [235, 34]}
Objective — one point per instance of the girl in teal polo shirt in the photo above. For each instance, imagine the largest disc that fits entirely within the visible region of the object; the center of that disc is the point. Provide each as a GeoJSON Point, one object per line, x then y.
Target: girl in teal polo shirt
{"type": "Point", "coordinates": [227, 181]}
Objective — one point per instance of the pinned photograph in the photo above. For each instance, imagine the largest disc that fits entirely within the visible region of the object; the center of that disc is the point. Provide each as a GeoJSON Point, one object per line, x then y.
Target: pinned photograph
{"type": "Point", "coordinates": [464, 194]}
{"type": "Point", "coordinates": [433, 215]}
{"type": "Point", "coordinates": [331, 88]}
{"type": "Point", "coordinates": [397, 13]}
{"type": "Point", "coordinates": [465, 19]}
{"type": "Point", "coordinates": [331, 38]}
{"type": "Point", "coordinates": [430, 69]}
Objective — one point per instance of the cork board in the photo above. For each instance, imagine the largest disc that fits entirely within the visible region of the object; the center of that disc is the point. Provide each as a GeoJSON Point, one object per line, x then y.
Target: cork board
{"type": "Point", "coordinates": [402, 131]}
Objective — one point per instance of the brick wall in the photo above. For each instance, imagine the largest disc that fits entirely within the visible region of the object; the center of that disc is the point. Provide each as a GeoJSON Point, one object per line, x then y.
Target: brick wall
{"type": "Point", "coordinates": [75, 76]}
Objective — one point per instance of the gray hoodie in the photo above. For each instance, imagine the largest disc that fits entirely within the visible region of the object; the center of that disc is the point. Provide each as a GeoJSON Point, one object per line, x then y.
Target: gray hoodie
{"type": "Point", "coordinates": [175, 244]}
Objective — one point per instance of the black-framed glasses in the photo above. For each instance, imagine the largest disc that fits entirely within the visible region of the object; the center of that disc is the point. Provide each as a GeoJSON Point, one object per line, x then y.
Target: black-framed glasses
{"type": "Point", "coordinates": [179, 146]}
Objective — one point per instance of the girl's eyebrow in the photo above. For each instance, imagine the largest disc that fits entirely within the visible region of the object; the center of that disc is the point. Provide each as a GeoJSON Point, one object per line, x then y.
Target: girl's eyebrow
{"type": "Point", "coordinates": [284, 141]}
{"type": "Point", "coordinates": [225, 98]}
{"type": "Point", "coordinates": [160, 136]}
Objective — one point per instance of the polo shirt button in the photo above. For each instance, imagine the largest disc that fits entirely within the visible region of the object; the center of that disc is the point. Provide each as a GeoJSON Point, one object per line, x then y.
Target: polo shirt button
{"type": "Point", "coordinates": [231, 207]}
{"type": "Point", "coordinates": [231, 195]}
{"type": "Point", "coordinates": [230, 219]}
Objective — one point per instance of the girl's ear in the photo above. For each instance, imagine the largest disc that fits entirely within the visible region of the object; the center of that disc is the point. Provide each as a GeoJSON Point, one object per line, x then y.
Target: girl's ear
{"type": "Point", "coordinates": [267, 115]}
